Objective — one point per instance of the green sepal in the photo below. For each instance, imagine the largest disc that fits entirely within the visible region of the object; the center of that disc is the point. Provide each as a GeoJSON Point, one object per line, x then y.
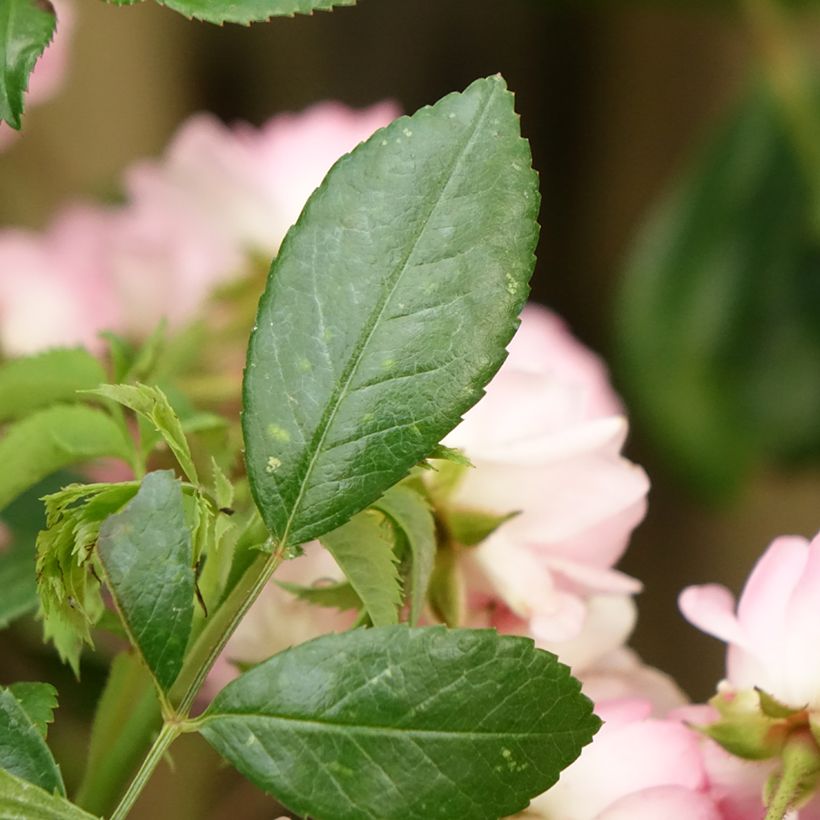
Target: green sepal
{"type": "Point", "coordinates": [470, 527]}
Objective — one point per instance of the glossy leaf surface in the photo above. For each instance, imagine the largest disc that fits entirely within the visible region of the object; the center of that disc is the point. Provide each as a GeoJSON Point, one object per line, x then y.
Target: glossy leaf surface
{"type": "Point", "coordinates": [147, 556]}
{"type": "Point", "coordinates": [26, 28]}
{"type": "Point", "coordinates": [388, 309]}
{"type": "Point", "coordinates": [404, 724]}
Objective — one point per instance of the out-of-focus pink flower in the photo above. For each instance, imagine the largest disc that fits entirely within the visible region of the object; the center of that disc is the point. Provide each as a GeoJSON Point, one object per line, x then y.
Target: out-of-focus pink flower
{"type": "Point", "coordinates": [49, 69]}
{"type": "Point", "coordinates": [546, 442]}
{"type": "Point", "coordinates": [249, 185]}
{"type": "Point", "coordinates": [637, 767]}
{"type": "Point", "coordinates": [774, 634]}
{"type": "Point", "coordinates": [192, 222]}
{"type": "Point", "coordinates": [279, 619]}
{"type": "Point", "coordinates": [53, 287]}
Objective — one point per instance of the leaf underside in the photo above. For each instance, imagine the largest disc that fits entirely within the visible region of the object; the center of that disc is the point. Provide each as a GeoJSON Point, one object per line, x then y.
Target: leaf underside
{"type": "Point", "coordinates": [388, 309]}
{"type": "Point", "coordinates": [404, 724]}
{"type": "Point", "coordinates": [147, 556]}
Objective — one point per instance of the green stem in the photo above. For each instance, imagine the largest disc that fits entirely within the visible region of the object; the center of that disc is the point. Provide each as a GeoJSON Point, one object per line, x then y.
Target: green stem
{"type": "Point", "coordinates": [798, 776]}
{"type": "Point", "coordinates": [219, 628]}
{"type": "Point", "coordinates": [789, 76]}
{"type": "Point", "coordinates": [166, 737]}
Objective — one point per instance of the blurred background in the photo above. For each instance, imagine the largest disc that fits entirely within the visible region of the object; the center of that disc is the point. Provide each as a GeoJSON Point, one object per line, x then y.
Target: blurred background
{"type": "Point", "coordinates": [623, 102]}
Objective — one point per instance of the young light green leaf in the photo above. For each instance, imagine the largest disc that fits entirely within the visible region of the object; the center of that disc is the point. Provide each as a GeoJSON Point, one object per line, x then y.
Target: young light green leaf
{"type": "Point", "coordinates": [451, 454]}
{"type": "Point", "coordinates": [364, 549]}
{"type": "Point", "coordinates": [33, 382]}
{"type": "Point", "coordinates": [68, 589]}
{"type": "Point", "coordinates": [126, 721]}
{"type": "Point", "coordinates": [23, 749]}
{"type": "Point", "coordinates": [404, 724]}
{"type": "Point", "coordinates": [423, 234]}
{"type": "Point", "coordinates": [248, 11]}
{"type": "Point", "coordinates": [21, 800]}
{"type": "Point", "coordinates": [411, 514]}
{"type": "Point", "coordinates": [340, 596]}
{"type": "Point", "coordinates": [26, 28]}
{"type": "Point", "coordinates": [152, 404]}
{"type": "Point", "coordinates": [147, 557]}
{"type": "Point", "coordinates": [39, 700]}
{"type": "Point", "coordinates": [52, 439]}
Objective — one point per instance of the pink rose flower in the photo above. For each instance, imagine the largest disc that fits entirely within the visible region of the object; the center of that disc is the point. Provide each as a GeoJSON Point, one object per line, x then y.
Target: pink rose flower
{"type": "Point", "coordinates": [249, 185]}
{"type": "Point", "coordinates": [774, 633]}
{"type": "Point", "coordinates": [191, 225]}
{"type": "Point", "coordinates": [546, 442]}
{"type": "Point", "coordinates": [636, 768]}
{"type": "Point", "coordinates": [49, 70]}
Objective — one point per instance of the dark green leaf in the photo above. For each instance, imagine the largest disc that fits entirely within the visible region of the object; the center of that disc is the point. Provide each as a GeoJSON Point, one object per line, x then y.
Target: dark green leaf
{"type": "Point", "coordinates": [23, 749]}
{"type": "Point", "coordinates": [337, 596]}
{"type": "Point", "coordinates": [20, 800]}
{"type": "Point", "coordinates": [31, 383]}
{"type": "Point", "coordinates": [126, 721]}
{"type": "Point", "coordinates": [720, 310]}
{"type": "Point", "coordinates": [404, 724]}
{"type": "Point", "coordinates": [471, 527]}
{"type": "Point", "coordinates": [39, 700]}
{"type": "Point", "coordinates": [26, 28]}
{"type": "Point", "coordinates": [411, 514]}
{"type": "Point", "coordinates": [52, 439]}
{"type": "Point", "coordinates": [364, 549]}
{"type": "Point", "coordinates": [249, 11]}
{"type": "Point", "coordinates": [152, 405]}
{"type": "Point", "coordinates": [147, 557]}
{"type": "Point", "coordinates": [422, 235]}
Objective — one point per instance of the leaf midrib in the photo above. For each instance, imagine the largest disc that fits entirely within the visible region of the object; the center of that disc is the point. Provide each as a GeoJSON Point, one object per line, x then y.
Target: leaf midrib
{"type": "Point", "coordinates": [369, 729]}
{"type": "Point", "coordinates": [358, 353]}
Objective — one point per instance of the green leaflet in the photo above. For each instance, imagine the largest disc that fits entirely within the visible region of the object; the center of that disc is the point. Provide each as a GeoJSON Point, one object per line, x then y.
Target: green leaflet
{"type": "Point", "coordinates": [719, 333]}
{"type": "Point", "coordinates": [422, 235]}
{"type": "Point", "coordinates": [411, 514]}
{"type": "Point", "coordinates": [152, 405]}
{"type": "Point", "coordinates": [249, 11]}
{"type": "Point", "coordinates": [26, 28]}
{"type": "Point", "coordinates": [39, 700]}
{"type": "Point", "coordinates": [147, 556]}
{"type": "Point", "coordinates": [52, 439]}
{"type": "Point", "coordinates": [33, 382]}
{"type": "Point", "coordinates": [20, 800]}
{"type": "Point", "coordinates": [69, 592]}
{"type": "Point", "coordinates": [364, 549]}
{"type": "Point", "coordinates": [403, 724]}
{"type": "Point", "coordinates": [23, 749]}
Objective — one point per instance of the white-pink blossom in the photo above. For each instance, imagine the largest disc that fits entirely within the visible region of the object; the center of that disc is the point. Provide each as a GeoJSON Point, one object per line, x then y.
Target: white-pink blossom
{"type": "Point", "coordinates": [774, 634]}
{"type": "Point", "coordinates": [546, 443]}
